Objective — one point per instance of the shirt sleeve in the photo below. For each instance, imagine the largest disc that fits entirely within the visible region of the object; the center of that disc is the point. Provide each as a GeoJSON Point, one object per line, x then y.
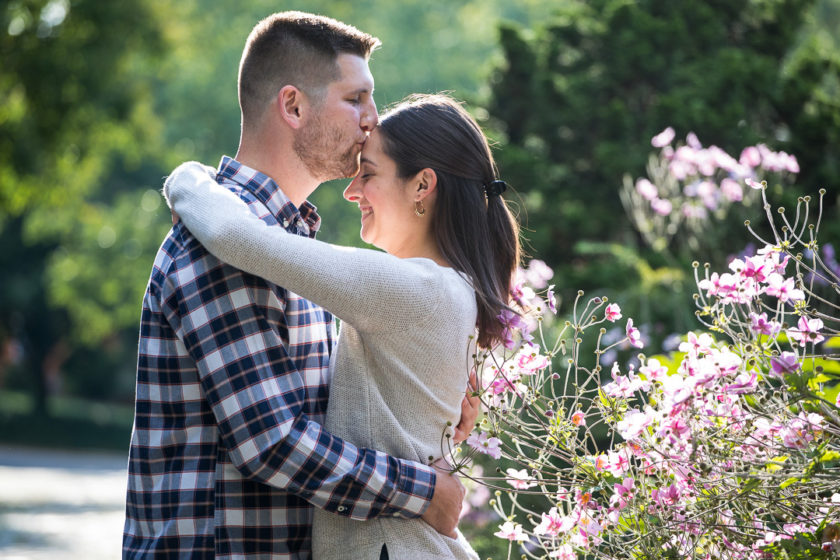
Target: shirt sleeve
{"type": "Point", "coordinates": [229, 322]}
{"type": "Point", "coordinates": [371, 290]}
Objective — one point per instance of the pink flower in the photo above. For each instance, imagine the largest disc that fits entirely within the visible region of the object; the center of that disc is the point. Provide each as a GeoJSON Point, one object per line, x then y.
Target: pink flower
{"type": "Point", "coordinates": [511, 531]}
{"type": "Point", "coordinates": [761, 325]}
{"type": "Point", "coordinates": [623, 492]}
{"type": "Point", "coordinates": [692, 140]}
{"type": "Point", "coordinates": [728, 287]}
{"type": "Point", "coordinates": [784, 289]}
{"type": "Point", "coordinates": [678, 428]}
{"type": "Point", "coordinates": [529, 360]}
{"type": "Point", "coordinates": [807, 331]}
{"type": "Point", "coordinates": [501, 385]}
{"type": "Point", "coordinates": [646, 189]}
{"type": "Point", "coordinates": [661, 206]}
{"type": "Point", "coordinates": [654, 370]}
{"type": "Point", "coordinates": [589, 527]}
{"type": "Point", "coordinates": [707, 191]}
{"type": "Point", "coordinates": [744, 383]}
{"type": "Point", "coordinates": [750, 157]}
{"type": "Point", "coordinates": [522, 294]}
{"type": "Point", "coordinates": [788, 362]}
{"type": "Point", "coordinates": [483, 443]}
{"type": "Point", "coordinates": [553, 524]}
{"type": "Point", "coordinates": [624, 386]}
{"type": "Point", "coordinates": [552, 300]}
{"type": "Point", "coordinates": [666, 496]}
{"type": "Point", "coordinates": [613, 313]}
{"type": "Point", "coordinates": [563, 552]}
{"type": "Point", "coordinates": [680, 168]}
{"type": "Point", "coordinates": [754, 268]}
{"type": "Point", "coordinates": [796, 434]}
{"type": "Point", "coordinates": [753, 184]}
{"type": "Point", "coordinates": [583, 499]}
{"type": "Point", "coordinates": [619, 462]}
{"type": "Point", "coordinates": [538, 274]}
{"type": "Point", "coordinates": [663, 138]}
{"type": "Point", "coordinates": [512, 322]}
{"type": "Point", "coordinates": [675, 390]}
{"type": "Point", "coordinates": [774, 258]}
{"type": "Point", "coordinates": [600, 462]}
{"type": "Point", "coordinates": [520, 479]}
{"type": "Point", "coordinates": [578, 419]}
{"type": "Point", "coordinates": [633, 423]}
{"type": "Point", "coordinates": [731, 190]}
{"type": "Point", "coordinates": [633, 334]}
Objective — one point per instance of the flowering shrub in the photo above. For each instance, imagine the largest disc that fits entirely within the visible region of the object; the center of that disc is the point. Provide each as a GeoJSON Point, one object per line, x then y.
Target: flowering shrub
{"type": "Point", "coordinates": [729, 448]}
{"type": "Point", "coordinates": [688, 185]}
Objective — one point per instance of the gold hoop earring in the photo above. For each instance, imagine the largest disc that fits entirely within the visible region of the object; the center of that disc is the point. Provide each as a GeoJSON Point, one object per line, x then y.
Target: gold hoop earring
{"type": "Point", "coordinates": [418, 208]}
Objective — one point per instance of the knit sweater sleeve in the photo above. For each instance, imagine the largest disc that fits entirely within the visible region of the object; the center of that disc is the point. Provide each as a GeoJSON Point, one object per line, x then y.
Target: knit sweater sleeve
{"type": "Point", "coordinates": [369, 289]}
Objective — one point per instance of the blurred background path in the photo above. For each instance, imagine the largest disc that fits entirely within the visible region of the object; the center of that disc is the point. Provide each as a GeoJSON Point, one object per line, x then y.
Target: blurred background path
{"type": "Point", "coordinates": [60, 504]}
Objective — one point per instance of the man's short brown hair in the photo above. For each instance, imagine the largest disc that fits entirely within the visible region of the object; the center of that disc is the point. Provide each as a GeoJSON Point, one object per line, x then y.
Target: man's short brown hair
{"type": "Point", "coordinates": [294, 48]}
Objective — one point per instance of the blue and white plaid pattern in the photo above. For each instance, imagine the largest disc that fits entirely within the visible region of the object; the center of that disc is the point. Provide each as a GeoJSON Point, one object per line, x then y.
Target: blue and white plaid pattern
{"type": "Point", "coordinates": [227, 452]}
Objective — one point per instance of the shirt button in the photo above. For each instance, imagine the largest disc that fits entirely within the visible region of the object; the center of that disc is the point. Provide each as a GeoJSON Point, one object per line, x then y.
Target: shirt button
{"type": "Point", "coordinates": [285, 223]}
{"type": "Point", "coordinates": [341, 509]}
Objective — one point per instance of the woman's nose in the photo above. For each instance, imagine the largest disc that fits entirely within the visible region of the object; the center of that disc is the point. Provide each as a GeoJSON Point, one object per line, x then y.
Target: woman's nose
{"type": "Point", "coordinates": [351, 193]}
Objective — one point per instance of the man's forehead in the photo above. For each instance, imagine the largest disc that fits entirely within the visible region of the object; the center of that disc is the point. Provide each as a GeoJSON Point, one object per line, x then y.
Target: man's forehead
{"type": "Point", "coordinates": [355, 72]}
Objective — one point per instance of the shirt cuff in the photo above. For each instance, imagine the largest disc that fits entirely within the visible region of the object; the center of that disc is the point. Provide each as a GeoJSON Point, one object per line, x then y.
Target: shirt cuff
{"type": "Point", "coordinates": [415, 488]}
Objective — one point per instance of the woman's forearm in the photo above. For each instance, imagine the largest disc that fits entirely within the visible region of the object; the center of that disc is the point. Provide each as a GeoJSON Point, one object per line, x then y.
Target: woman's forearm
{"type": "Point", "coordinates": [360, 286]}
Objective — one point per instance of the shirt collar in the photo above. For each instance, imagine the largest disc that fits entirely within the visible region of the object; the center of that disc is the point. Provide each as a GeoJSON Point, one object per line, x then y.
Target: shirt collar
{"type": "Point", "coordinates": [269, 193]}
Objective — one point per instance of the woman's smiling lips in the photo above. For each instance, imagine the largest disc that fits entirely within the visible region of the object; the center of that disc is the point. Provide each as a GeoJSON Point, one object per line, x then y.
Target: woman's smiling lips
{"type": "Point", "coordinates": [366, 211]}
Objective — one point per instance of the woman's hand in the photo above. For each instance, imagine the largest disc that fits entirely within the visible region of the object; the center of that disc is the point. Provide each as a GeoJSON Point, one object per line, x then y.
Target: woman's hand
{"type": "Point", "coordinates": [470, 407]}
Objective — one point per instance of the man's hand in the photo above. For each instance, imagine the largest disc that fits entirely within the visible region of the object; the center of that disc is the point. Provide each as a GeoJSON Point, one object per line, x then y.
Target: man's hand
{"type": "Point", "coordinates": [470, 407]}
{"type": "Point", "coordinates": [445, 509]}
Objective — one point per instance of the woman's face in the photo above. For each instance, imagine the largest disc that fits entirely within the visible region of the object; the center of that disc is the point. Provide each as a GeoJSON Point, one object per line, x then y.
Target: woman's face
{"type": "Point", "coordinates": [385, 200]}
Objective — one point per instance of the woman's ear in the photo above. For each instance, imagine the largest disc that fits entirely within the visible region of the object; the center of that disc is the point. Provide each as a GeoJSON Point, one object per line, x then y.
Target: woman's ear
{"type": "Point", "coordinates": [291, 103]}
{"type": "Point", "coordinates": [425, 183]}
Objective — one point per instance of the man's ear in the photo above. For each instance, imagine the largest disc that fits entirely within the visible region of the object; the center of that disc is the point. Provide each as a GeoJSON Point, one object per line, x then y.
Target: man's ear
{"type": "Point", "coordinates": [291, 104]}
{"type": "Point", "coordinates": [426, 183]}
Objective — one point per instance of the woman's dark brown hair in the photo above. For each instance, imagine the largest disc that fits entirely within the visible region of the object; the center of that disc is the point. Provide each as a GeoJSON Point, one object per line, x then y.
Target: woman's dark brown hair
{"type": "Point", "coordinates": [475, 232]}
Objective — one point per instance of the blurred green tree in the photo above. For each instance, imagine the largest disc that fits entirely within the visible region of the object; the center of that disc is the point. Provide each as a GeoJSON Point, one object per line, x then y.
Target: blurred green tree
{"type": "Point", "coordinates": [77, 130]}
{"type": "Point", "coordinates": [579, 97]}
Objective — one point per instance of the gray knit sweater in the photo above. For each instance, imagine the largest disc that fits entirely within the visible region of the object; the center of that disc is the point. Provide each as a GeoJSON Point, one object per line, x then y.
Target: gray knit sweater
{"type": "Point", "coordinates": [399, 369]}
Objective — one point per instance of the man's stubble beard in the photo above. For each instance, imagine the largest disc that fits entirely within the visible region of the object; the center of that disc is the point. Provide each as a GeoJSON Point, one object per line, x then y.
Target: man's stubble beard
{"type": "Point", "coordinates": [320, 150]}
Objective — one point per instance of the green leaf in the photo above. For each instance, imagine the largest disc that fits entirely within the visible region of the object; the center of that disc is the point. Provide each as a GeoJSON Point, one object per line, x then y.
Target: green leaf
{"type": "Point", "coordinates": [788, 482]}
{"type": "Point", "coordinates": [829, 456]}
{"type": "Point", "coordinates": [833, 342]}
{"type": "Point", "coordinates": [776, 463]}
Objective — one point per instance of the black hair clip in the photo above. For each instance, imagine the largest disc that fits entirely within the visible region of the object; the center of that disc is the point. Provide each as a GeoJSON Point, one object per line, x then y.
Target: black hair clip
{"type": "Point", "coordinates": [495, 188]}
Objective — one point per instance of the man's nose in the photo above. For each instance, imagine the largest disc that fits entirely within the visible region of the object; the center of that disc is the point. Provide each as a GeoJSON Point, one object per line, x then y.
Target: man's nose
{"type": "Point", "coordinates": [370, 117]}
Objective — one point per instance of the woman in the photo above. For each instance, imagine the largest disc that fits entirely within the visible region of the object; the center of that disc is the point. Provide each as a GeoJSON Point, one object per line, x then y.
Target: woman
{"type": "Point", "coordinates": [428, 197]}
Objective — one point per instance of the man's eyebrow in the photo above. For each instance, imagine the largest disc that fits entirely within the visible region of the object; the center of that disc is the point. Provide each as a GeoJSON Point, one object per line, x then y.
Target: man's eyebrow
{"type": "Point", "coordinates": [362, 90]}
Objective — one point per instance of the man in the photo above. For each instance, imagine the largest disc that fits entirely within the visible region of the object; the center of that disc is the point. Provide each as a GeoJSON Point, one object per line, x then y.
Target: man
{"type": "Point", "coordinates": [227, 453]}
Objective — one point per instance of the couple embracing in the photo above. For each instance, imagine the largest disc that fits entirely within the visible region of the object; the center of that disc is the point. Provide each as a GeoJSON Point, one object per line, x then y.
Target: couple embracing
{"type": "Point", "coordinates": [235, 451]}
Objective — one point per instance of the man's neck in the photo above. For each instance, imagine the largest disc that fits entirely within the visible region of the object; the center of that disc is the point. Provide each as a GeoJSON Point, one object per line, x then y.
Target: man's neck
{"type": "Point", "coordinates": [288, 172]}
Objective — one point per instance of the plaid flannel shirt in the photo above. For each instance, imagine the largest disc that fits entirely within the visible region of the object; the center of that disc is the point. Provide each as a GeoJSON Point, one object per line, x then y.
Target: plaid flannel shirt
{"type": "Point", "coordinates": [227, 454]}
